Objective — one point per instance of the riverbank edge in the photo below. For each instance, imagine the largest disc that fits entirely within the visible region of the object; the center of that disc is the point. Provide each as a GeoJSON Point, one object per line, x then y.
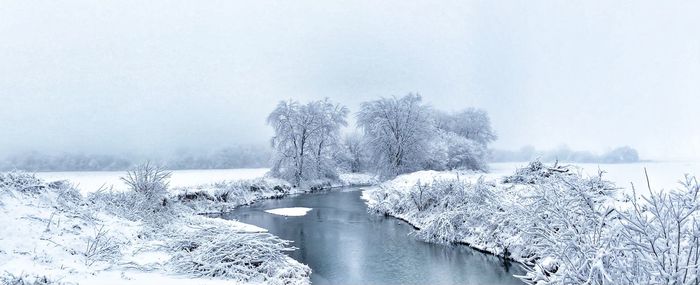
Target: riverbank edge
{"type": "Point", "coordinates": [226, 196]}
{"type": "Point", "coordinates": [46, 210]}
{"type": "Point", "coordinates": [414, 225]}
{"type": "Point", "coordinates": [406, 181]}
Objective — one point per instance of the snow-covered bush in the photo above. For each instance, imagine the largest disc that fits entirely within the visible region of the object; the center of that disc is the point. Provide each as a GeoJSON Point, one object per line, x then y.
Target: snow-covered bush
{"type": "Point", "coordinates": [21, 182]}
{"type": "Point", "coordinates": [149, 180]}
{"type": "Point", "coordinates": [444, 210]}
{"type": "Point", "coordinates": [26, 279]}
{"type": "Point", "coordinates": [60, 234]}
{"type": "Point", "coordinates": [581, 235]}
{"type": "Point", "coordinates": [660, 238]}
{"type": "Point", "coordinates": [565, 219]}
{"type": "Point", "coordinates": [226, 195]}
{"type": "Point", "coordinates": [100, 247]}
{"type": "Point", "coordinates": [551, 220]}
{"type": "Point", "coordinates": [534, 172]}
{"type": "Point", "coordinates": [221, 252]}
{"type": "Point", "coordinates": [146, 201]}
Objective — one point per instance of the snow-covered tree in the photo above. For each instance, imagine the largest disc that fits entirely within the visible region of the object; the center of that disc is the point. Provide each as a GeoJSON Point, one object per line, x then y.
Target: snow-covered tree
{"type": "Point", "coordinates": [621, 155]}
{"type": "Point", "coordinates": [353, 157]}
{"type": "Point", "coordinates": [397, 133]}
{"type": "Point", "coordinates": [461, 140]}
{"type": "Point", "coordinates": [306, 138]}
{"type": "Point", "coordinates": [471, 123]}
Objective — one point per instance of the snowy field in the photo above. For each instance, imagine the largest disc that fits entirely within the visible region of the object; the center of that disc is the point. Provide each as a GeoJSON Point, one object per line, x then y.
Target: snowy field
{"type": "Point", "coordinates": [89, 181]}
{"type": "Point", "coordinates": [662, 175]}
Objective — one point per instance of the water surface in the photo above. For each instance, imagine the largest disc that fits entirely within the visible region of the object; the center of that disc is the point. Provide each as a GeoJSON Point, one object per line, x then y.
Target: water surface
{"type": "Point", "coordinates": [343, 244]}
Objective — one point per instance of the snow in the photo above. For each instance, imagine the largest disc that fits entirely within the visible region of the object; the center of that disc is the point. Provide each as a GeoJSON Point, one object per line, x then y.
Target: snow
{"type": "Point", "coordinates": [539, 223]}
{"type": "Point", "coordinates": [90, 181]}
{"type": "Point", "coordinates": [662, 174]}
{"type": "Point", "coordinates": [47, 231]}
{"type": "Point", "coordinates": [358, 179]}
{"type": "Point", "coordinates": [290, 212]}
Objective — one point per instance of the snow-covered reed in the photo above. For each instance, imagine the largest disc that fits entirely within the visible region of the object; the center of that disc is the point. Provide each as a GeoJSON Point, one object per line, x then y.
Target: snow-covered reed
{"type": "Point", "coordinates": [221, 252]}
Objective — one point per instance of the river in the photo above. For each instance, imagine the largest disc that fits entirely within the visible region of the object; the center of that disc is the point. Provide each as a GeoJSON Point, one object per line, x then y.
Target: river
{"type": "Point", "coordinates": [344, 244]}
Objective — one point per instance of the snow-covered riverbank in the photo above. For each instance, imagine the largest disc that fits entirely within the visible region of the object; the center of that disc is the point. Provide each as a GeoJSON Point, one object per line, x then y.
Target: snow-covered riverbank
{"type": "Point", "coordinates": [569, 227]}
{"type": "Point", "coordinates": [51, 232]}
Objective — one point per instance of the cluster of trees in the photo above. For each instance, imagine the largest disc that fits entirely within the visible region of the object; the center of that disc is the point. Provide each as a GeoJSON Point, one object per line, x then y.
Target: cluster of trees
{"type": "Point", "coordinates": [623, 154]}
{"type": "Point", "coordinates": [404, 135]}
{"type": "Point", "coordinates": [398, 135]}
{"type": "Point", "coordinates": [240, 156]}
{"type": "Point", "coordinates": [34, 161]}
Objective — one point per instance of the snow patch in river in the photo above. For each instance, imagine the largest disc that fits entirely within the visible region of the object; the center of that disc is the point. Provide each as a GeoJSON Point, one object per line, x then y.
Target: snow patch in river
{"type": "Point", "coordinates": [290, 212]}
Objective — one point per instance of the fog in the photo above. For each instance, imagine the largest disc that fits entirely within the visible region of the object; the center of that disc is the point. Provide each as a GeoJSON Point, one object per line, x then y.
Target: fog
{"type": "Point", "coordinates": [157, 76]}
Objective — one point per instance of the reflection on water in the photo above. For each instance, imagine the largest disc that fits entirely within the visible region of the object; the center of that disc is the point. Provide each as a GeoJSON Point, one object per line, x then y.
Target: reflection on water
{"type": "Point", "coordinates": [343, 244]}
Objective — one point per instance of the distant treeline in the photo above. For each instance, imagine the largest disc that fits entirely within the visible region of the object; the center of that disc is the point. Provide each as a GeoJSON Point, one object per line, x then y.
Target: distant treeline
{"type": "Point", "coordinates": [231, 157]}
{"type": "Point", "coordinates": [618, 155]}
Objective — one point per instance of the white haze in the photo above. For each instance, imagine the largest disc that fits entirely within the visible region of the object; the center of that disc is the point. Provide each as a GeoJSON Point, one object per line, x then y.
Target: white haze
{"type": "Point", "coordinates": [156, 76]}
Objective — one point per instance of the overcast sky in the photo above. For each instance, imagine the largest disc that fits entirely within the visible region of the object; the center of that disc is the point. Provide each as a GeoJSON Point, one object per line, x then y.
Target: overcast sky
{"type": "Point", "coordinates": [154, 76]}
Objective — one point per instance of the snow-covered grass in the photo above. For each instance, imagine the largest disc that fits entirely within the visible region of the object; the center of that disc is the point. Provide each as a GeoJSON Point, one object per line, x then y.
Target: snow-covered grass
{"type": "Point", "coordinates": [51, 233]}
{"type": "Point", "coordinates": [225, 195]}
{"type": "Point", "coordinates": [290, 212]}
{"type": "Point", "coordinates": [54, 234]}
{"type": "Point", "coordinates": [566, 226]}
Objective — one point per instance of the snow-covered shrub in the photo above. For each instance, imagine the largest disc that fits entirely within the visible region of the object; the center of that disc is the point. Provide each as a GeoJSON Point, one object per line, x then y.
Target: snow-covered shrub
{"type": "Point", "coordinates": [133, 206]}
{"type": "Point", "coordinates": [534, 172]}
{"type": "Point", "coordinates": [100, 247]}
{"type": "Point", "coordinates": [444, 210]}
{"type": "Point", "coordinates": [226, 195]}
{"type": "Point", "coordinates": [566, 221]}
{"type": "Point", "coordinates": [460, 209]}
{"type": "Point", "coordinates": [149, 180]}
{"type": "Point", "coordinates": [7, 278]}
{"type": "Point", "coordinates": [587, 239]}
{"type": "Point", "coordinates": [221, 252]}
{"type": "Point", "coordinates": [147, 201]}
{"type": "Point", "coordinates": [21, 182]}
{"type": "Point", "coordinates": [659, 235]}
{"type": "Point", "coordinates": [60, 192]}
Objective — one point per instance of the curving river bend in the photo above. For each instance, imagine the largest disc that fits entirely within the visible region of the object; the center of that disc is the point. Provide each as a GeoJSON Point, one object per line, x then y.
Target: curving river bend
{"type": "Point", "coordinates": [343, 244]}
